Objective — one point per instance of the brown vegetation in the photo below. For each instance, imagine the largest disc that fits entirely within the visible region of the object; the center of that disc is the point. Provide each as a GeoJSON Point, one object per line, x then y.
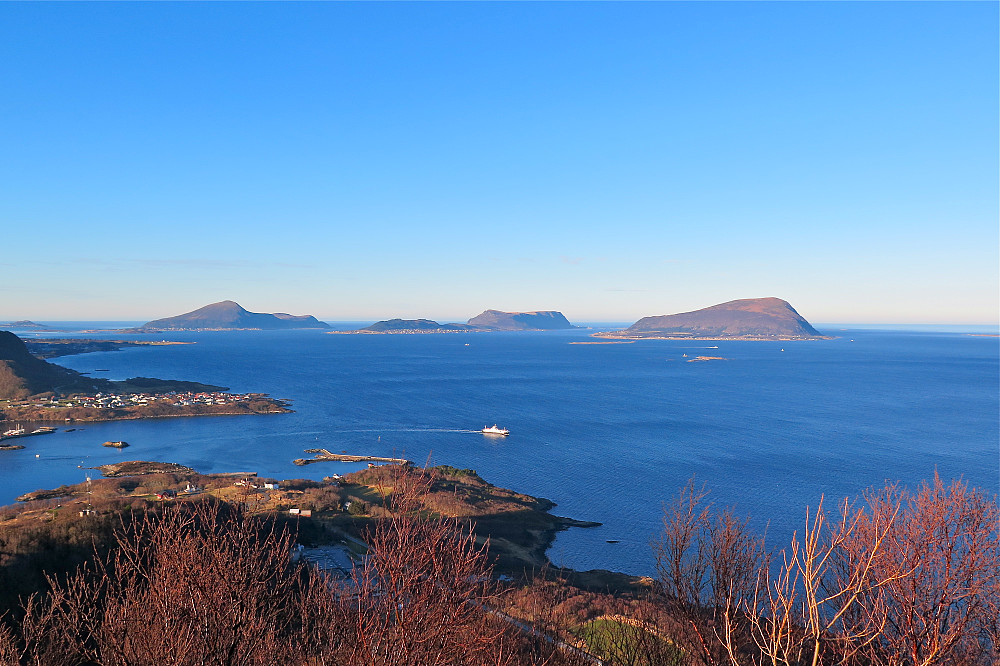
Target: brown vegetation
{"type": "Point", "coordinates": [205, 583]}
{"type": "Point", "coordinates": [906, 579]}
{"type": "Point", "coordinates": [900, 579]}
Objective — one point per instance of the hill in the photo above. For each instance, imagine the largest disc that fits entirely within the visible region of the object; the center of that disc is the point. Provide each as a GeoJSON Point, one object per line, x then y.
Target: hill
{"type": "Point", "coordinates": [750, 318]}
{"type": "Point", "coordinates": [542, 320]}
{"type": "Point", "coordinates": [22, 374]}
{"type": "Point", "coordinates": [230, 315]}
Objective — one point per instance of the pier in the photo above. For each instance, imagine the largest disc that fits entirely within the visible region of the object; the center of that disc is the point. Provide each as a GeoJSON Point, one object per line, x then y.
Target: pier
{"type": "Point", "coordinates": [322, 455]}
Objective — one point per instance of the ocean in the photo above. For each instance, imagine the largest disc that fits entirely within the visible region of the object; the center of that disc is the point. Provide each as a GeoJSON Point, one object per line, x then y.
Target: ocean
{"type": "Point", "coordinates": [607, 431]}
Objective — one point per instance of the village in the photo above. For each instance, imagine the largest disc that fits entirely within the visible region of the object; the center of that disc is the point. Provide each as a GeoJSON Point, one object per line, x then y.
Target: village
{"type": "Point", "coordinates": [131, 405]}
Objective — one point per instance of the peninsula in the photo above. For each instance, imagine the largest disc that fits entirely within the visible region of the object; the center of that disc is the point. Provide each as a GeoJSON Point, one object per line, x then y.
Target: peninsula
{"type": "Point", "coordinates": [53, 347]}
{"type": "Point", "coordinates": [519, 527]}
{"type": "Point", "coordinates": [490, 320]}
{"type": "Point", "coordinates": [746, 319]}
{"type": "Point", "coordinates": [32, 389]}
{"type": "Point", "coordinates": [230, 316]}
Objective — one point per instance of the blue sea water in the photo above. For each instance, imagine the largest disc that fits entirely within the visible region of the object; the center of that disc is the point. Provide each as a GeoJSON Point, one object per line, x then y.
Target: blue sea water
{"type": "Point", "coordinates": [609, 432]}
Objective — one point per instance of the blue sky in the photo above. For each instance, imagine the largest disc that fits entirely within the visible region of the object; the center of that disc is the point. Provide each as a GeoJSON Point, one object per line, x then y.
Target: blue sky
{"type": "Point", "coordinates": [361, 161]}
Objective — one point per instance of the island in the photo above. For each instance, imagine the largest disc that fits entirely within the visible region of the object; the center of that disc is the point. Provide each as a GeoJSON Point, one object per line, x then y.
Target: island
{"type": "Point", "coordinates": [745, 319]}
{"type": "Point", "coordinates": [412, 326]}
{"type": "Point", "coordinates": [230, 316]}
{"type": "Point", "coordinates": [27, 325]}
{"type": "Point", "coordinates": [539, 320]}
{"type": "Point", "coordinates": [490, 320]}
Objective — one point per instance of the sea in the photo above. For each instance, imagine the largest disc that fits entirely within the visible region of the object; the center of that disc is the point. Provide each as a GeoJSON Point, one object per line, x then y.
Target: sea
{"type": "Point", "coordinates": [609, 432]}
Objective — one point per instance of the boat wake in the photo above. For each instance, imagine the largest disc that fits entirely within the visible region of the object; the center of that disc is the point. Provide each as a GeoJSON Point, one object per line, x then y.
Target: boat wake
{"type": "Point", "coordinates": [380, 430]}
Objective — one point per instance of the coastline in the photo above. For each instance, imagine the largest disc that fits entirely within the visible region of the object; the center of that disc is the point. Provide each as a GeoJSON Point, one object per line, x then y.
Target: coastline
{"type": "Point", "coordinates": [619, 335]}
{"type": "Point", "coordinates": [32, 415]}
{"type": "Point", "coordinates": [519, 529]}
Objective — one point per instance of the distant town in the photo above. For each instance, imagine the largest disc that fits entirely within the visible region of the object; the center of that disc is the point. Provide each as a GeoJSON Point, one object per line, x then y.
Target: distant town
{"type": "Point", "coordinates": [116, 406]}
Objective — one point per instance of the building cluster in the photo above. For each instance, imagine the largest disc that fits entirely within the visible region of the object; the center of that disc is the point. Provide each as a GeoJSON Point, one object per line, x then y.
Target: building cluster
{"type": "Point", "coordinates": [175, 398]}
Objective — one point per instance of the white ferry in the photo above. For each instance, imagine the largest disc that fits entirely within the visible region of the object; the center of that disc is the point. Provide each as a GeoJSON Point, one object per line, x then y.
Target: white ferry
{"type": "Point", "coordinates": [494, 430]}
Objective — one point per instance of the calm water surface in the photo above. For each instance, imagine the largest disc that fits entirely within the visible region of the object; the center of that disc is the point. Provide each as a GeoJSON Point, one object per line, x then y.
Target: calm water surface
{"type": "Point", "coordinates": [609, 432]}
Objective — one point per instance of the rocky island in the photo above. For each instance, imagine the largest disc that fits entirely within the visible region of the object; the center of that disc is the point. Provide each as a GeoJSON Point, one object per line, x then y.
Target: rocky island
{"type": "Point", "coordinates": [230, 316]}
{"type": "Point", "coordinates": [490, 320]}
{"type": "Point", "coordinates": [745, 319]}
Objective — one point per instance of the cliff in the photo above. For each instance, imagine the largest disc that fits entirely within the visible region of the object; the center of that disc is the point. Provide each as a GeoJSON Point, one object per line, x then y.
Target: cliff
{"type": "Point", "coordinates": [760, 318]}
{"type": "Point", "coordinates": [229, 315]}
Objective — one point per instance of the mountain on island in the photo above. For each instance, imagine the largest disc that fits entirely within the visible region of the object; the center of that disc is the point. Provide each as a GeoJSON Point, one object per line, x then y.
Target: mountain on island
{"type": "Point", "coordinates": [542, 320]}
{"type": "Point", "coordinates": [424, 325]}
{"type": "Point", "coordinates": [749, 318]}
{"type": "Point", "coordinates": [490, 320]}
{"type": "Point", "coordinates": [229, 315]}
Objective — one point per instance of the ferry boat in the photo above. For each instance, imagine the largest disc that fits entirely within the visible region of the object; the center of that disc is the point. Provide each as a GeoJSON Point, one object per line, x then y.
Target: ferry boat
{"type": "Point", "coordinates": [494, 430]}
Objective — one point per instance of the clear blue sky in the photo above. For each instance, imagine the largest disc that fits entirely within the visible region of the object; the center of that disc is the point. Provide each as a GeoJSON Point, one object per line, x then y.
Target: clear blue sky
{"type": "Point", "coordinates": [609, 160]}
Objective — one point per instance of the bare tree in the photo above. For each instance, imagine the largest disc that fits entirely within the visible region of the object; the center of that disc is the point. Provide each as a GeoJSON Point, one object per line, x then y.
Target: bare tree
{"type": "Point", "coordinates": [904, 580]}
{"type": "Point", "coordinates": [707, 566]}
{"type": "Point", "coordinates": [946, 545]}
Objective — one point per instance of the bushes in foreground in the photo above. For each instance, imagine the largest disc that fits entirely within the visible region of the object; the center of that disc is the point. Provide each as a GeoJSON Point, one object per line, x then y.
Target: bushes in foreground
{"type": "Point", "coordinates": [901, 579]}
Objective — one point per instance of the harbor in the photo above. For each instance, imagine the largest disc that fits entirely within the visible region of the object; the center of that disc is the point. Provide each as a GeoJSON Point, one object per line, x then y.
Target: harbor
{"type": "Point", "coordinates": [21, 431]}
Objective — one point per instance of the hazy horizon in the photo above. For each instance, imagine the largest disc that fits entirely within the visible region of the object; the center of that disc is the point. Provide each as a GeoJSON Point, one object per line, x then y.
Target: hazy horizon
{"type": "Point", "coordinates": [366, 161]}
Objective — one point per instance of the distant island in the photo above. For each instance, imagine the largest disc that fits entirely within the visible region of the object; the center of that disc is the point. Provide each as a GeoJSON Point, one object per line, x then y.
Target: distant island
{"type": "Point", "coordinates": [229, 315]}
{"type": "Point", "coordinates": [745, 319]}
{"type": "Point", "coordinates": [25, 325]}
{"type": "Point", "coordinates": [490, 320]}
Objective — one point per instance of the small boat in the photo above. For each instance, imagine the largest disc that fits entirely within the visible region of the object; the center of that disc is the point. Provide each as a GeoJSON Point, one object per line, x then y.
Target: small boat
{"type": "Point", "coordinates": [612, 541]}
{"type": "Point", "coordinates": [494, 430]}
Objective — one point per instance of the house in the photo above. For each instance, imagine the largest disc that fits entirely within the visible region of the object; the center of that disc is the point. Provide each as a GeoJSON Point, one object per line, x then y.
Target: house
{"type": "Point", "coordinates": [272, 485]}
